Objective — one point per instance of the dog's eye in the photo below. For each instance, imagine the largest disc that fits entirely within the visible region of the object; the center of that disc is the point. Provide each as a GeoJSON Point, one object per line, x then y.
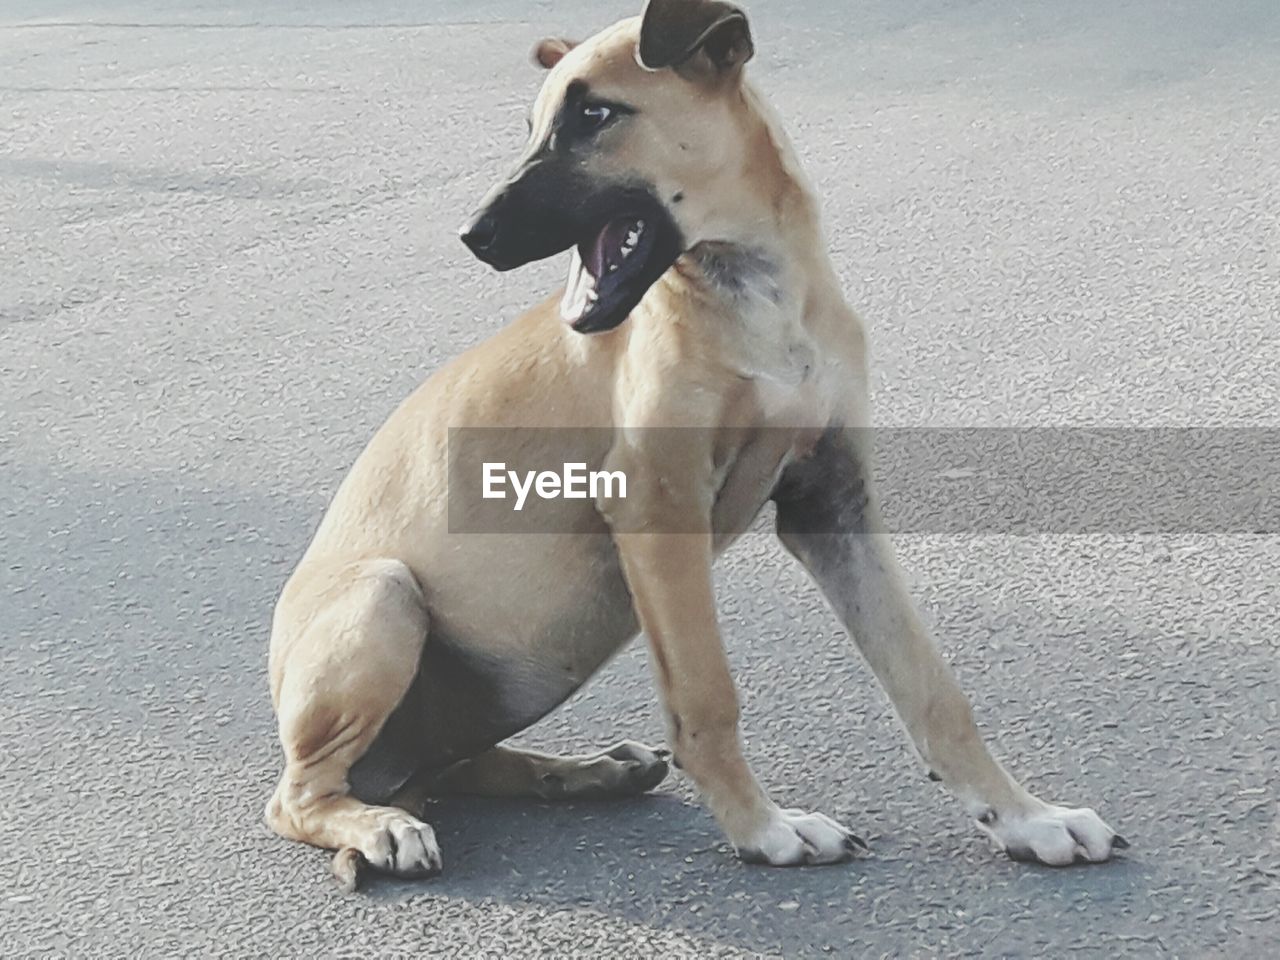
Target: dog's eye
{"type": "Point", "coordinates": [595, 115]}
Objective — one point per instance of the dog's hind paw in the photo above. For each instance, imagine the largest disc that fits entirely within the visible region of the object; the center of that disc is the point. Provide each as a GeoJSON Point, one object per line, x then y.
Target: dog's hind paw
{"type": "Point", "coordinates": [794, 838]}
{"type": "Point", "coordinates": [1053, 835]}
{"type": "Point", "coordinates": [623, 770]}
{"type": "Point", "coordinates": [644, 767]}
{"type": "Point", "coordinates": [395, 843]}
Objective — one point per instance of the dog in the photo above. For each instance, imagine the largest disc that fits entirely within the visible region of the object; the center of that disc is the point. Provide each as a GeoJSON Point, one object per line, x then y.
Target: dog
{"type": "Point", "coordinates": [702, 349]}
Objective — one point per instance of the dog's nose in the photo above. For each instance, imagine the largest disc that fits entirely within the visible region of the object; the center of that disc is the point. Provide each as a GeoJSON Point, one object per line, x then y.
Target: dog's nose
{"type": "Point", "coordinates": [480, 234]}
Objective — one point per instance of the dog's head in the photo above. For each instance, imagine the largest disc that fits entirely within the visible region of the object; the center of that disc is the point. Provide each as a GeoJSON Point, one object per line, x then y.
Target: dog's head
{"type": "Point", "coordinates": [637, 149]}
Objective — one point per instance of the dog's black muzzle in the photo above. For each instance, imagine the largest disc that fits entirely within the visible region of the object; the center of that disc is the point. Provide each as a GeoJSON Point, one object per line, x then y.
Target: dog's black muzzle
{"type": "Point", "coordinates": [625, 237]}
{"type": "Point", "coordinates": [534, 214]}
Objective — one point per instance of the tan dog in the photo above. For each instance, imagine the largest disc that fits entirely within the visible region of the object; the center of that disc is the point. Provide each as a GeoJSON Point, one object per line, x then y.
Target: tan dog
{"type": "Point", "coordinates": [404, 650]}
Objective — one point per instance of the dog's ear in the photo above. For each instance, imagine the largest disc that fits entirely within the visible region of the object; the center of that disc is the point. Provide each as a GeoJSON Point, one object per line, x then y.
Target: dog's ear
{"type": "Point", "coordinates": [672, 31]}
{"type": "Point", "coordinates": [551, 51]}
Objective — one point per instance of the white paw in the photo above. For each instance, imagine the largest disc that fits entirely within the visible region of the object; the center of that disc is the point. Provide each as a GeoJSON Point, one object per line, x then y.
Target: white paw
{"type": "Point", "coordinates": [402, 845]}
{"type": "Point", "coordinates": [793, 838]}
{"type": "Point", "coordinates": [1053, 835]}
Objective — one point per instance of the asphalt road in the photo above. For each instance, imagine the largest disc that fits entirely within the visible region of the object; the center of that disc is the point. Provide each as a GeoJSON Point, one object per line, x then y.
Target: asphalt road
{"type": "Point", "coordinates": [227, 251]}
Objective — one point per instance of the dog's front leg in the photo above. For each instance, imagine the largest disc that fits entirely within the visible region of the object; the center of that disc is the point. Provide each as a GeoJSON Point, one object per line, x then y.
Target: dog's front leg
{"type": "Point", "coordinates": [828, 518]}
{"type": "Point", "coordinates": [669, 574]}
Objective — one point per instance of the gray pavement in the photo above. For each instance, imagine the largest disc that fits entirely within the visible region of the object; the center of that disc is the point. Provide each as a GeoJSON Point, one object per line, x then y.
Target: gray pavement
{"type": "Point", "coordinates": [227, 251]}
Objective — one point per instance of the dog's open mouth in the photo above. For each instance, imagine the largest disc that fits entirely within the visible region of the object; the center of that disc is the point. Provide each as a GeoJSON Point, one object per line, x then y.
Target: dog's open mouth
{"type": "Point", "coordinates": [610, 270]}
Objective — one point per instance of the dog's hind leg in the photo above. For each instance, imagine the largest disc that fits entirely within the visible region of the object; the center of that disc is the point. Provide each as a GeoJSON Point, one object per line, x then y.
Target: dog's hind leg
{"type": "Point", "coordinates": [345, 649]}
{"type": "Point", "coordinates": [624, 770]}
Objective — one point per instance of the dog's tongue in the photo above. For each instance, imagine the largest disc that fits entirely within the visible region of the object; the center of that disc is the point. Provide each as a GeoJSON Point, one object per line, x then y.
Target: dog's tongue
{"type": "Point", "coordinates": [579, 291]}
{"type": "Point", "coordinates": [591, 261]}
{"type": "Point", "coordinates": [606, 252]}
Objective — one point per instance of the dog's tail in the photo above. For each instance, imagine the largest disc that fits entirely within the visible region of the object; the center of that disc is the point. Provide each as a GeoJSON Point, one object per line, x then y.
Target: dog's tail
{"type": "Point", "coordinates": [349, 866]}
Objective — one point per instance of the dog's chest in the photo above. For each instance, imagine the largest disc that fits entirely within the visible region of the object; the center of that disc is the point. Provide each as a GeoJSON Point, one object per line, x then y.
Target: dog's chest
{"type": "Point", "coordinates": [761, 339]}
{"type": "Point", "coordinates": [781, 398]}
{"type": "Point", "coordinates": [783, 376]}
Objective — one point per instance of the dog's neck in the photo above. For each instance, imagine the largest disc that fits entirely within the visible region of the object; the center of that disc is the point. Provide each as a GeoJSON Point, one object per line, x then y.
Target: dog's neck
{"type": "Point", "coordinates": [735, 272]}
{"type": "Point", "coordinates": [779, 252]}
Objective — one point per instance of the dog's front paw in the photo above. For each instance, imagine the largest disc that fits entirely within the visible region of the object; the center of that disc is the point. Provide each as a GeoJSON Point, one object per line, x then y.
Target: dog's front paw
{"type": "Point", "coordinates": [1052, 835]}
{"type": "Point", "coordinates": [794, 838]}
